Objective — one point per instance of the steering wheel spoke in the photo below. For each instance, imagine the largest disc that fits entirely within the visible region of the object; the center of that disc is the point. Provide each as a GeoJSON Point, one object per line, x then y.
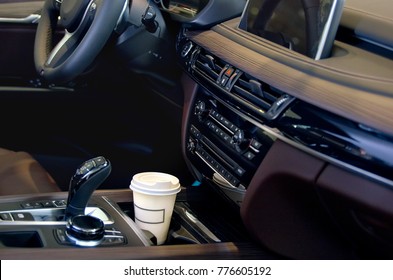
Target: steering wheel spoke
{"type": "Point", "coordinates": [70, 41]}
{"type": "Point", "coordinates": [62, 50]}
{"type": "Point", "coordinates": [88, 26]}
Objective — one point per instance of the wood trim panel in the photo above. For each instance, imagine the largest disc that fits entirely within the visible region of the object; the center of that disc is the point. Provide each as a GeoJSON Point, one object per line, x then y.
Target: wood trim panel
{"type": "Point", "coordinates": [359, 97]}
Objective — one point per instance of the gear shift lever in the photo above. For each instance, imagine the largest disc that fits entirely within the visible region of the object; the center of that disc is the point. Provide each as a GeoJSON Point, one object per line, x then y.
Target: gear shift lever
{"type": "Point", "coordinates": [86, 179]}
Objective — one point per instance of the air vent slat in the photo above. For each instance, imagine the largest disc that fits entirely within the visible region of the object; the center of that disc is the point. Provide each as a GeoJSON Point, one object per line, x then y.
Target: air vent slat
{"type": "Point", "coordinates": [208, 65]}
{"type": "Point", "coordinates": [251, 98]}
{"type": "Point", "coordinates": [262, 97]}
{"type": "Point", "coordinates": [272, 93]}
{"type": "Point", "coordinates": [207, 70]}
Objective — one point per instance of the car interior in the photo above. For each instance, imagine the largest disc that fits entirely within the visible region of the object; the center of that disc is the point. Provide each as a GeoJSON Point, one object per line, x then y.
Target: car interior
{"type": "Point", "coordinates": [276, 116]}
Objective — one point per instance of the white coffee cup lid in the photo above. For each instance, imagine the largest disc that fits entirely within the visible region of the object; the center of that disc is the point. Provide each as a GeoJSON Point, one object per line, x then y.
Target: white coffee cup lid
{"type": "Point", "coordinates": [155, 183]}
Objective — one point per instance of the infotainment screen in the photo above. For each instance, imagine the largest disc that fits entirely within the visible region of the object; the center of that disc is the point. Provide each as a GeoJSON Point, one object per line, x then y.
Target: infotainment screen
{"type": "Point", "coordinates": [305, 26]}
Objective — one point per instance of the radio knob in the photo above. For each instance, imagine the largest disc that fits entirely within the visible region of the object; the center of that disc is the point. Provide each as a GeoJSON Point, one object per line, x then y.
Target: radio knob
{"type": "Point", "coordinates": [191, 145]}
{"type": "Point", "coordinates": [200, 109]}
{"type": "Point", "coordinates": [238, 137]}
{"type": "Point", "coordinates": [239, 140]}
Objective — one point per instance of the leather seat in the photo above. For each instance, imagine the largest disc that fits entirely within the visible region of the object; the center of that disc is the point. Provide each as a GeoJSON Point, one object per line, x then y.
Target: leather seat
{"type": "Point", "coordinates": [20, 173]}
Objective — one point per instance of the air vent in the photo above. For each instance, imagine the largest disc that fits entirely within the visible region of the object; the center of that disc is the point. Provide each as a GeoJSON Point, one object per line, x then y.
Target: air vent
{"type": "Point", "coordinates": [208, 66]}
{"type": "Point", "coordinates": [262, 98]}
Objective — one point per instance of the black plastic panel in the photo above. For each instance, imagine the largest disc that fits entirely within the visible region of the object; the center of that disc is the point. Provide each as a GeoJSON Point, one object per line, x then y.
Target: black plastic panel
{"type": "Point", "coordinates": [348, 142]}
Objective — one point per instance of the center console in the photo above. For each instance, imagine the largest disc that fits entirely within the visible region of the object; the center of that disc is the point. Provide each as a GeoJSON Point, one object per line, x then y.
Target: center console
{"type": "Point", "coordinates": [39, 222]}
{"type": "Point", "coordinates": [66, 225]}
{"type": "Point", "coordinates": [227, 131]}
{"type": "Point", "coordinates": [32, 227]}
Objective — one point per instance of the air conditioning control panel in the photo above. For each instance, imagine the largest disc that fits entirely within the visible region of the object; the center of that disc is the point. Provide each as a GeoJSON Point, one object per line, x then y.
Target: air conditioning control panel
{"type": "Point", "coordinates": [220, 143]}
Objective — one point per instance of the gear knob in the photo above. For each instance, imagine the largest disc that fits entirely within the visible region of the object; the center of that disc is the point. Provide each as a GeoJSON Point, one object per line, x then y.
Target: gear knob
{"type": "Point", "coordinates": [87, 178]}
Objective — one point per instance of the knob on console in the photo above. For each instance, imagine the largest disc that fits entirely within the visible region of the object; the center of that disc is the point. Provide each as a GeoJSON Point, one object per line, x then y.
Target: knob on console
{"type": "Point", "coordinates": [240, 141]}
{"type": "Point", "coordinates": [200, 110]}
{"type": "Point", "coordinates": [85, 230]}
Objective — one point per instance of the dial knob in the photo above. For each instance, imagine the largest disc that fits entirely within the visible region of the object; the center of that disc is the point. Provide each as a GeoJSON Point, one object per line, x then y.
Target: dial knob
{"type": "Point", "coordinates": [238, 137]}
{"type": "Point", "coordinates": [200, 110]}
{"type": "Point", "coordinates": [191, 145]}
{"type": "Point", "coordinates": [239, 140]}
{"type": "Point", "coordinates": [85, 230]}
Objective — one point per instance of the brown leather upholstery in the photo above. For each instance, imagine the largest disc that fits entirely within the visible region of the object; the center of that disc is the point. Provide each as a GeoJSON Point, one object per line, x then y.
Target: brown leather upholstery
{"type": "Point", "coordinates": [20, 173]}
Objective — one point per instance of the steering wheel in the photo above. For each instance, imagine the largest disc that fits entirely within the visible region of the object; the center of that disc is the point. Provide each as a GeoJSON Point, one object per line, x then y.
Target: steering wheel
{"type": "Point", "coordinates": [88, 25]}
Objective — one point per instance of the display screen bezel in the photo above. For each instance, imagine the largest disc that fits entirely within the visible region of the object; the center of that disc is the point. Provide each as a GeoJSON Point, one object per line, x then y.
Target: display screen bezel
{"type": "Point", "coordinates": [313, 40]}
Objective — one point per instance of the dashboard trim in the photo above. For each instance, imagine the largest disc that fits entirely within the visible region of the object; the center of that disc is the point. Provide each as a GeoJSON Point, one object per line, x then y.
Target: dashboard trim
{"type": "Point", "coordinates": [349, 100]}
{"type": "Point", "coordinates": [276, 133]}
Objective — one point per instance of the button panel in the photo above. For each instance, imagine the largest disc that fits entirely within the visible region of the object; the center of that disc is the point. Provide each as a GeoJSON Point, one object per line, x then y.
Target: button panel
{"type": "Point", "coordinates": [222, 142]}
{"type": "Point", "coordinates": [44, 204]}
{"type": "Point", "coordinates": [112, 237]}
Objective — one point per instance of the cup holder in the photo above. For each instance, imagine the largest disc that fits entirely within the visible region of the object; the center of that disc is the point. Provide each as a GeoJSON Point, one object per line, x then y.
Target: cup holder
{"type": "Point", "coordinates": [178, 233]}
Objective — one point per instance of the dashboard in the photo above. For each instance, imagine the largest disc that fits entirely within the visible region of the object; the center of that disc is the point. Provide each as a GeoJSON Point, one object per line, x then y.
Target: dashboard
{"type": "Point", "coordinates": [264, 123]}
{"type": "Point", "coordinates": [184, 8]}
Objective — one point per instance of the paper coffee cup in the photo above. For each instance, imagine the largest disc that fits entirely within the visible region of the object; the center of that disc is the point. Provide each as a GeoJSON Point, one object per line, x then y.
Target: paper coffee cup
{"type": "Point", "coordinates": [154, 198]}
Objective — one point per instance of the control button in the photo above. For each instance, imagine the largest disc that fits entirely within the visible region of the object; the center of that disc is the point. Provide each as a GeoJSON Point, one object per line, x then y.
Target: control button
{"type": "Point", "coordinates": [31, 205]}
{"type": "Point", "coordinates": [195, 132]}
{"type": "Point", "coordinates": [234, 181]}
{"type": "Point", "coordinates": [226, 122]}
{"type": "Point", "coordinates": [85, 168]}
{"type": "Point", "coordinates": [233, 128]}
{"type": "Point", "coordinates": [99, 161]}
{"type": "Point", "coordinates": [239, 171]}
{"type": "Point", "coordinates": [215, 114]}
{"type": "Point", "coordinates": [249, 155]}
{"type": "Point", "coordinates": [27, 205]}
{"type": "Point", "coordinates": [60, 203]}
{"type": "Point", "coordinates": [224, 80]}
{"type": "Point", "coordinates": [37, 204]}
{"type": "Point", "coordinates": [113, 239]}
{"type": "Point", "coordinates": [60, 234]}
{"type": "Point", "coordinates": [228, 176]}
{"type": "Point", "coordinates": [256, 144]}
{"type": "Point", "coordinates": [5, 217]}
{"type": "Point", "coordinates": [22, 216]}
{"type": "Point", "coordinates": [229, 71]}
{"type": "Point", "coordinates": [48, 204]}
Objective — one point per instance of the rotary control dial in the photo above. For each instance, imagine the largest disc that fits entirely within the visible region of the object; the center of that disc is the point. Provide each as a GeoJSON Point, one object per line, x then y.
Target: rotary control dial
{"type": "Point", "coordinates": [239, 141]}
{"type": "Point", "coordinates": [85, 230]}
{"type": "Point", "coordinates": [200, 110]}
